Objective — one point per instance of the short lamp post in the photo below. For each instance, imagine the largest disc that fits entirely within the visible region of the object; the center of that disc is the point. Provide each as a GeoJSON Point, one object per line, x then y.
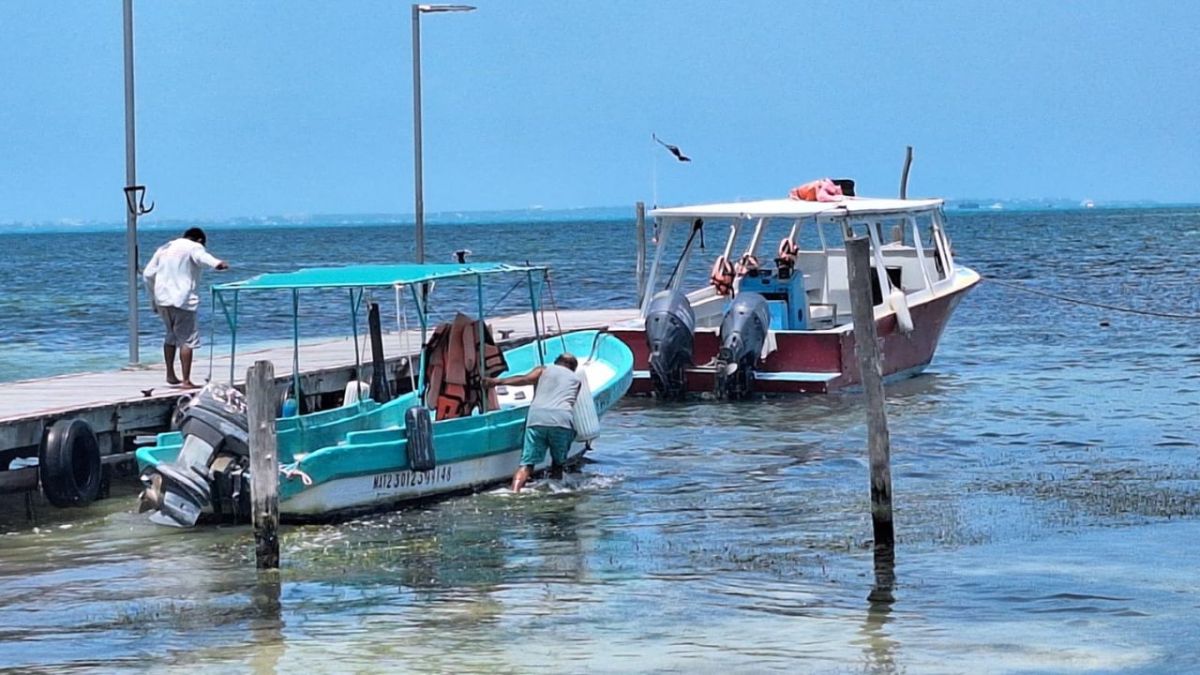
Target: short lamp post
{"type": "Point", "coordinates": [419, 210]}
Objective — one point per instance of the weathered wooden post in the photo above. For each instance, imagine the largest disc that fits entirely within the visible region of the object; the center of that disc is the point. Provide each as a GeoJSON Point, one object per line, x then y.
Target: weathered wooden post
{"type": "Point", "coordinates": [904, 174]}
{"type": "Point", "coordinates": [866, 346]}
{"type": "Point", "coordinates": [264, 463]}
{"type": "Point", "coordinates": [640, 267]}
{"type": "Point", "coordinates": [381, 391]}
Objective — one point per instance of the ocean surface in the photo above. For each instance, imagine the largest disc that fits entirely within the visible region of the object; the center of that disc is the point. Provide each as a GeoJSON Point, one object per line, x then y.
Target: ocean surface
{"type": "Point", "coordinates": [1046, 471]}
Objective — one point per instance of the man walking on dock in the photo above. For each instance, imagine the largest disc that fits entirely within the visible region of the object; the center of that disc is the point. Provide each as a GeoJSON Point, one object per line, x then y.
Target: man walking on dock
{"type": "Point", "coordinates": [550, 421]}
{"type": "Point", "coordinates": [172, 277]}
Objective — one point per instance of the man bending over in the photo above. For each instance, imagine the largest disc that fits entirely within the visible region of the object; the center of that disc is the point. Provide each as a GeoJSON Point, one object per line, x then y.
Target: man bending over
{"type": "Point", "coordinates": [548, 425]}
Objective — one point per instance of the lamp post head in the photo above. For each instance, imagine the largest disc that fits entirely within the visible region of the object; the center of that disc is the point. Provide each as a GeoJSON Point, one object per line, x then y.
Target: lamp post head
{"type": "Point", "coordinates": [429, 9]}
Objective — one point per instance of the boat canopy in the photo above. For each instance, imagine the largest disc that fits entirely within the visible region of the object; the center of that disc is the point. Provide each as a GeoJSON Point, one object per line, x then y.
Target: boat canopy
{"type": "Point", "coordinates": [363, 276]}
{"type": "Point", "coordinates": [794, 208]}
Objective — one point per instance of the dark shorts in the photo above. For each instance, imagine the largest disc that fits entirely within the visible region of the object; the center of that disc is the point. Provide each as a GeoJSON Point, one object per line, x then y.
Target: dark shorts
{"type": "Point", "coordinates": [539, 439]}
{"type": "Point", "coordinates": [181, 327]}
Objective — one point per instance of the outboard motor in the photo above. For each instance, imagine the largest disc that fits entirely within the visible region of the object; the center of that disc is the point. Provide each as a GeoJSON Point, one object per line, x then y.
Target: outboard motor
{"type": "Point", "coordinates": [213, 465]}
{"type": "Point", "coordinates": [743, 332]}
{"type": "Point", "coordinates": [670, 335]}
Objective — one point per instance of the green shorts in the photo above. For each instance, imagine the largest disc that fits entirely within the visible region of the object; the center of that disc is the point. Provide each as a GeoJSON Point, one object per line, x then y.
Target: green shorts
{"type": "Point", "coordinates": [538, 439]}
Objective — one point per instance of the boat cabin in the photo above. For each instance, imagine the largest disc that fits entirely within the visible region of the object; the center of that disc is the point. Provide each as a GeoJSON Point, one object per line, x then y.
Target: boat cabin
{"type": "Point", "coordinates": [792, 253]}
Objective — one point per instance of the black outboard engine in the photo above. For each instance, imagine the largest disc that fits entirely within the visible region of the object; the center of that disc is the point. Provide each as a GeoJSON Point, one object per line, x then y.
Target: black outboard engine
{"type": "Point", "coordinates": [670, 335]}
{"type": "Point", "coordinates": [213, 465]}
{"type": "Point", "coordinates": [743, 332]}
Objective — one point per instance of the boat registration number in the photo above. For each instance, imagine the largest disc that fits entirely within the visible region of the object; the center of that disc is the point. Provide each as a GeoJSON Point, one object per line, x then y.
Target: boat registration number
{"type": "Point", "coordinates": [402, 479]}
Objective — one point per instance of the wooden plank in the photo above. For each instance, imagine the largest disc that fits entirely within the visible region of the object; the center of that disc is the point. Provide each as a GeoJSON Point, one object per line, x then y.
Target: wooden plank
{"type": "Point", "coordinates": [639, 268]}
{"type": "Point", "coordinates": [866, 346]}
{"type": "Point", "coordinates": [264, 463]}
{"type": "Point", "coordinates": [115, 401]}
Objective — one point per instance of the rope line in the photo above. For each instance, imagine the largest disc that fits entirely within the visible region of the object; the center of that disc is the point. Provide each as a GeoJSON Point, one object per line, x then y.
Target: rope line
{"type": "Point", "coordinates": [496, 304]}
{"type": "Point", "coordinates": [557, 318]}
{"type": "Point", "coordinates": [1101, 305]}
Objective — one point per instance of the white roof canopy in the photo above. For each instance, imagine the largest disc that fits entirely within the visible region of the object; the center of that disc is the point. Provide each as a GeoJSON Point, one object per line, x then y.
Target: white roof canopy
{"type": "Point", "coordinates": [794, 208]}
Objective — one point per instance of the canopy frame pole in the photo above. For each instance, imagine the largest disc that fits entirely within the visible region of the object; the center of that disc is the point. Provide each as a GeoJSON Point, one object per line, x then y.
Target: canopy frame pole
{"type": "Point", "coordinates": [752, 249]}
{"type": "Point", "coordinates": [212, 336]}
{"type": "Point", "coordinates": [354, 304]}
{"type": "Point", "coordinates": [916, 233]}
{"type": "Point", "coordinates": [482, 334]}
{"type": "Point", "coordinates": [296, 349]}
{"type": "Point", "coordinates": [663, 232]}
{"type": "Point", "coordinates": [233, 339]}
{"type": "Point", "coordinates": [403, 336]}
{"type": "Point", "coordinates": [533, 309]}
{"type": "Point", "coordinates": [885, 284]}
{"type": "Point", "coordinates": [421, 383]}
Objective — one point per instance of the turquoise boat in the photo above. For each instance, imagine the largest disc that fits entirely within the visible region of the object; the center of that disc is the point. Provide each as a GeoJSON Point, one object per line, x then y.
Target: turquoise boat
{"type": "Point", "coordinates": [370, 454]}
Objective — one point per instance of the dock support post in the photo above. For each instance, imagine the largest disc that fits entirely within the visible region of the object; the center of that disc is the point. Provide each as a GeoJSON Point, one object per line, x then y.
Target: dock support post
{"type": "Point", "coordinates": [866, 346]}
{"type": "Point", "coordinates": [640, 267]}
{"type": "Point", "coordinates": [904, 174]}
{"type": "Point", "coordinates": [264, 463]}
{"type": "Point", "coordinates": [381, 391]}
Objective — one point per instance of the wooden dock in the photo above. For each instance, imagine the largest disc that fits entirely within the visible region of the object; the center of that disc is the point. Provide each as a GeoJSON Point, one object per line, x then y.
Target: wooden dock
{"type": "Point", "coordinates": [123, 404]}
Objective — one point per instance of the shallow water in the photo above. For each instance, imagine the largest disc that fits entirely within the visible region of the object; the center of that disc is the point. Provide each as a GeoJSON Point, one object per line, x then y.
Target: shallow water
{"type": "Point", "coordinates": [1045, 472]}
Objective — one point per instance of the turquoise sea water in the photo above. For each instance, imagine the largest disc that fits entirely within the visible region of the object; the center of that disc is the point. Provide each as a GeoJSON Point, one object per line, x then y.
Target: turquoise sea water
{"type": "Point", "coordinates": [1045, 469]}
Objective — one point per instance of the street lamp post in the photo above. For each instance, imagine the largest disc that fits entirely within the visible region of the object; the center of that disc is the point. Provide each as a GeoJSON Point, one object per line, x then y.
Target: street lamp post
{"type": "Point", "coordinates": [419, 201]}
{"type": "Point", "coordinates": [135, 194]}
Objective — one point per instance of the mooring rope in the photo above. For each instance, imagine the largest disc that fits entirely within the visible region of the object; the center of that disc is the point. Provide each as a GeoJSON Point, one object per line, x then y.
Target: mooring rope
{"type": "Point", "coordinates": [1101, 305]}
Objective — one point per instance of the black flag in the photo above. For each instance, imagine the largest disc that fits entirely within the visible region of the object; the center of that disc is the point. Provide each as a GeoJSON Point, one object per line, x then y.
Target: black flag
{"type": "Point", "coordinates": [673, 148]}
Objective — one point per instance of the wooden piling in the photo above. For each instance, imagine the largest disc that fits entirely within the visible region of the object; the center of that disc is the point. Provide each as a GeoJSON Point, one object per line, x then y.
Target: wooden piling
{"type": "Point", "coordinates": [264, 463]}
{"type": "Point", "coordinates": [640, 268]}
{"type": "Point", "coordinates": [866, 346]}
{"type": "Point", "coordinates": [381, 391]}
{"type": "Point", "coordinates": [904, 175]}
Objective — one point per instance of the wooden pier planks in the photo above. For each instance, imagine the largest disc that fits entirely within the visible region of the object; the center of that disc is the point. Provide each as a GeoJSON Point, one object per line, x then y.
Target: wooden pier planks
{"type": "Point", "coordinates": [114, 401]}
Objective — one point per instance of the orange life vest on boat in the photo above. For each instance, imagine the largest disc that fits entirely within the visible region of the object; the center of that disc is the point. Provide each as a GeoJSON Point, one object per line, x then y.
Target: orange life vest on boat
{"type": "Point", "coordinates": [452, 372]}
{"type": "Point", "coordinates": [747, 263]}
{"type": "Point", "coordinates": [820, 190]}
{"type": "Point", "coordinates": [722, 276]}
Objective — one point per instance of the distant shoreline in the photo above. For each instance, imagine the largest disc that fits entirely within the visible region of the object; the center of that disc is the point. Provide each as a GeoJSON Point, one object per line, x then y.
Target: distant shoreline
{"type": "Point", "coordinates": [451, 218]}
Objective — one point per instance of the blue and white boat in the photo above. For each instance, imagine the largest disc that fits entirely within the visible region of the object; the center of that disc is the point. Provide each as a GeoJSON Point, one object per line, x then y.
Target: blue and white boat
{"type": "Point", "coordinates": [369, 454]}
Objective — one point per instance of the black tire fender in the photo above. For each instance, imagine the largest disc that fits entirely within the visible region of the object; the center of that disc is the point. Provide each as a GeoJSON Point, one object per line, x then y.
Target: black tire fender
{"type": "Point", "coordinates": [69, 463]}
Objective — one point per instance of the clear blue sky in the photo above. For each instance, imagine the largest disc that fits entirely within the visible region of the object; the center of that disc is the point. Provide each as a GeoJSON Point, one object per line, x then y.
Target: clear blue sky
{"type": "Point", "coordinates": [304, 107]}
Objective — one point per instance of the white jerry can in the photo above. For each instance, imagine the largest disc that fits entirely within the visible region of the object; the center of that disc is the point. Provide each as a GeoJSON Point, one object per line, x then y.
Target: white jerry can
{"type": "Point", "coordinates": [583, 415]}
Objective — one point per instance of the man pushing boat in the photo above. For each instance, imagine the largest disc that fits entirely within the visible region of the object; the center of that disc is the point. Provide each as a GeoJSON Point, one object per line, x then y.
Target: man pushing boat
{"type": "Point", "coordinates": [549, 424]}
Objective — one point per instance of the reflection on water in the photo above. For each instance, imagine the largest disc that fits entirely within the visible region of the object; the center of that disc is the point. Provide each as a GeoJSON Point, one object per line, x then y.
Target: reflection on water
{"type": "Point", "coordinates": [1045, 482]}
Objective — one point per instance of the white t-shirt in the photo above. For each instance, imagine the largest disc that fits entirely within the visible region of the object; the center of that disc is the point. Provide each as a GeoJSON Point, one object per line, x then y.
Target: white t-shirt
{"type": "Point", "coordinates": [174, 273]}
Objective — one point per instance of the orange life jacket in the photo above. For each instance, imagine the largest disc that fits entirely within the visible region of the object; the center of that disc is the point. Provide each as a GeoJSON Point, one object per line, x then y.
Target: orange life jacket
{"type": "Point", "coordinates": [747, 263]}
{"type": "Point", "coordinates": [452, 372]}
{"type": "Point", "coordinates": [722, 276]}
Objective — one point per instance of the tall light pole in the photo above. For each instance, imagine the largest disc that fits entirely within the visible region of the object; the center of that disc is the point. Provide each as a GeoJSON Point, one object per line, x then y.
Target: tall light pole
{"type": "Point", "coordinates": [134, 194]}
{"type": "Point", "coordinates": [419, 206]}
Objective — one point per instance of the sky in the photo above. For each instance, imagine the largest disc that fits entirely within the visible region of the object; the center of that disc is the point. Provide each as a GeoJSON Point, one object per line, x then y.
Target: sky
{"type": "Point", "coordinates": [300, 107]}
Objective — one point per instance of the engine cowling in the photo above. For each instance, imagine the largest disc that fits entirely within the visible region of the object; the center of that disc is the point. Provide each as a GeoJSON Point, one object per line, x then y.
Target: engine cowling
{"type": "Point", "coordinates": [670, 337]}
{"type": "Point", "coordinates": [743, 333]}
{"type": "Point", "coordinates": [211, 468]}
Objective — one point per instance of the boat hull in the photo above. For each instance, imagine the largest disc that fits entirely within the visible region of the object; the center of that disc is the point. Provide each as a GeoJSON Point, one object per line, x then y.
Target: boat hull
{"type": "Point", "coordinates": [336, 464]}
{"type": "Point", "coordinates": [818, 361]}
{"type": "Point", "coordinates": [381, 491]}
